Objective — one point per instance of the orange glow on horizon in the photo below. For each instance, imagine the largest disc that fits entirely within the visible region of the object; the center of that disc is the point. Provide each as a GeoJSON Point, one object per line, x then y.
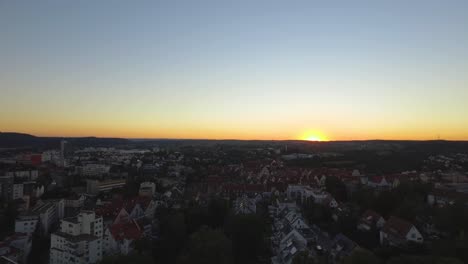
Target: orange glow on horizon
{"type": "Point", "coordinates": [313, 135]}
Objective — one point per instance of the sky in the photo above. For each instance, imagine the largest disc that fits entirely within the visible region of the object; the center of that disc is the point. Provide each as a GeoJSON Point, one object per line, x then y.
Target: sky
{"type": "Point", "coordinates": [330, 70]}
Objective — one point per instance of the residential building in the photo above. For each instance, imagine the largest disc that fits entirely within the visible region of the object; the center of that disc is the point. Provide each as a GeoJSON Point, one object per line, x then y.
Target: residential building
{"type": "Point", "coordinates": [95, 170]}
{"type": "Point", "coordinates": [26, 223]}
{"type": "Point", "coordinates": [74, 204]}
{"type": "Point", "coordinates": [398, 232]}
{"type": "Point", "coordinates": [6, 187]}
{"type": "Point", "coordinates": [78, 241]}
{"type": "Point", "coordinates": [49, 213]}
{"type": "Point", "coordinates": [147, 189]}
{"type": "Point", "coordinates": [18, 191]}
{"type": "Point", "coordinates": [16, 248]}
{"type": "Point", "coordinates": [370, 220]}
{"type": "Point", "coordinates": [119, 238]}
{"type": "Point", "coordinates": [245, 205]}
{"type": "Point", "coordinates": [96, 186]}
{"type": "Point", "coordinates": [27, 175]}
{"type": "Point", "coordinates": [342, 247]}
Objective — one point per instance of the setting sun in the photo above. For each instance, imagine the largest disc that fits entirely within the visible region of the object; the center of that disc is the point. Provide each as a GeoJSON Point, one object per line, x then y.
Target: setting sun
{"type": "Point", "coordinates": [314, 136]}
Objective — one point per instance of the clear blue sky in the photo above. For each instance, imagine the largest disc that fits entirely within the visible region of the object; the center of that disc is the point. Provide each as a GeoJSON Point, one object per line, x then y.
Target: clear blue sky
{"type": "Point", "coordinates": [235, 69]}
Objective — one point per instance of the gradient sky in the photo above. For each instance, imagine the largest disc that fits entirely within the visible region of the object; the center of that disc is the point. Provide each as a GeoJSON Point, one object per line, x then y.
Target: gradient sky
{"type": "Point", "coordinates": [235, 69]}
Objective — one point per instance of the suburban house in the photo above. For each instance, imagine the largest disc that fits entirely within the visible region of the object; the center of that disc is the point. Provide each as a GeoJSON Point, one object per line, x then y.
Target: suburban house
{"type": "Point", "coordinates": [119, 238]}
{"type": "Point", "coordinates": [370, 220]}
{"type": "Point", "coordinates": [384, 182]}
{"type": "Point", "coordinates": [398, 232]}
{"type": "Point", "coordinates": [342, 247]}
{"type": "Point", "coordinates": [301, 192]}
{"type": "Point", "coordinates": [289, 247]}
{"type": "Point", "coordinates": [446, 197]}
{"type": "Point", "coordinates": [245, 205]}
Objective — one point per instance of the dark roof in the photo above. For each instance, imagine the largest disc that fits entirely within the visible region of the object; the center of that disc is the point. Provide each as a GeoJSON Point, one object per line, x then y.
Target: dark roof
{"type": "Point", "coordinates": [370, 217]}
{"type": "Point", "coordinates": [344, 244]}
{"type": "Point", "coordinates": [397, 227]}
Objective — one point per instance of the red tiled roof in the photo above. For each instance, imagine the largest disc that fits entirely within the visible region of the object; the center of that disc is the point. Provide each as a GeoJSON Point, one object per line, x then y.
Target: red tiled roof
{"type": "Point", "coordinates": [370, 217]}
{"type": "Point", "coordinates": [397, 227]}
{"type": "Point", "coordinates": [129, 231]}
{"type": "Point", "coordinates": [376, 179]}
{"type": "Point", "coordinates": [113, 208]}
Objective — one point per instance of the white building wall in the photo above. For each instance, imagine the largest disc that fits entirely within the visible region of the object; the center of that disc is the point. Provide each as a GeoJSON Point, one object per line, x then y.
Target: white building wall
{"type": "Point", "coordinates": [27, 226]}
{"type": "Point", "coordinates": [80, 249]}
{"type": "Point", "coordinates": [414, 235]}
{"type": "Point", "coordinates": [18, 189]}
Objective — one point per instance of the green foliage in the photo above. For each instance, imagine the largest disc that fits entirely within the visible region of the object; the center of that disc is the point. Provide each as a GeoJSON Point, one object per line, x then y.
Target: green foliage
{"type": "Point", "coordinates": [422, 260]}
{"type": "Point", "coordinates": [317, 213]}
{"type": "Point", "coordinates": [452, 218]}
{"type": "Point", "coordinates": [362, 256]}
{"type": "Point", "coordinates": [363, 197]}
{"type": "Point", "coordinates": [214, 215]}
{"type": "Point", "coordinates": [8, 219]}
{"type": "Point", "coordinates": [217, 210]}
{"type": "Point", "coordinates": [172, 240]}
{"type": "Point", "coordinates": [142, 245]}
{"type": "Point", "coordinates": [208, 247]}
{"type": "Point", "coordinates": [130, 259]}
{"type": "Point", "coordinates": [336, 188]}
{"type": "Point", "coordinates": [247, 235]}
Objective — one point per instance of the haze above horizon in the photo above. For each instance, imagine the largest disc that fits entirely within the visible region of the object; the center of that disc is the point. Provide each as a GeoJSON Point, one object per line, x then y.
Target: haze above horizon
{"type": "Point", "coordinates": [235, 69]}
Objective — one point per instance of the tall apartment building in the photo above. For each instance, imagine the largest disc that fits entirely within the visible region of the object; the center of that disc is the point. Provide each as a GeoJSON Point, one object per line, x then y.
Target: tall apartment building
{"type": "Point", "coordinates": [6, 187]}
{"type": "Point", "coordinates": [26, 224]}
{"type": "Point", "coordinates": [49, 212]}
{"type": "Point", "coordinates": [79, 240]}
{"type": "Point", "coordinates": [18, 191]}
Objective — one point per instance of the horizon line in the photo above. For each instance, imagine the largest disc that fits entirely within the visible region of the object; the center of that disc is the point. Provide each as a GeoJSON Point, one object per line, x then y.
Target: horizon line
{"type": "Point", "coordinates": [234, 139]}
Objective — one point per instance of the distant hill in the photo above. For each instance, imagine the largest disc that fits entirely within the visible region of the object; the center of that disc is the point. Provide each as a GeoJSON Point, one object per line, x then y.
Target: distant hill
{"type": "Point", "coordinates": [13, 140]}
{"type": "Point", "coordinates": [20, 140]}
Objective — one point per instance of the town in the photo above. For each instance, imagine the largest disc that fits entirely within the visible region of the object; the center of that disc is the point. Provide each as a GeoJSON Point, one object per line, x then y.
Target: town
{"type": "Point", "coordinates": [91, 200]}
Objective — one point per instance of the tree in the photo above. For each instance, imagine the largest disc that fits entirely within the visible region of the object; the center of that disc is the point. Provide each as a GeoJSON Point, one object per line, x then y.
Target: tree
{"type": "Point", "coordinates": [247, 235]}
{"type": "Point", "coordinates": [218, 210]}
{"type": "Point", "coordinates": [208, 246]}
{"type": "Point", "coordinates": [362, 256]}
{"type": "Point", "coordinates": [142, 245]}
{"type": "Point", "coordinates": [122, 259]}
{"type": "Point", "coordinates": [172, 238]}
{"type": "Point", "coordinates": [404, 259]}
{"type": "Point", "coordinates": [317, 213]}
{"type": "Point", "coordinates": [363, 197]}
{"type": "Point", "coordinates": [336, 188]}
{"type": "Point", "coordinates": [8, 221]}
{"type": "Point", "coordinates": [386, 202]}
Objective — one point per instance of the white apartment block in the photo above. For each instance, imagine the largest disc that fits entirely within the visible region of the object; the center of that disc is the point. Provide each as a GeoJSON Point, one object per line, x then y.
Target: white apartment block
{"type": "Point", "coordinates": [18, 191]}
{"type": "Point", "coordinates": [30, 175]}
{"type": "Point", "coordinates": [95, 170]}
{"type": "Point", "coordinates": [147, 189]}
{"type": "Point", "coordinates": [49, 212]}
{"type": "Point", "coordinates": [78, 241]}
{"type": "Point", "coordinates": [26, 224]}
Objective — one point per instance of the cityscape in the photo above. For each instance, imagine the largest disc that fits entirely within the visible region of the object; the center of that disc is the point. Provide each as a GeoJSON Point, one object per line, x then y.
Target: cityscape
{"type": "Point", "coordinates": [103, 200]}
{"type": "Point", "coordinates": [233, 132]}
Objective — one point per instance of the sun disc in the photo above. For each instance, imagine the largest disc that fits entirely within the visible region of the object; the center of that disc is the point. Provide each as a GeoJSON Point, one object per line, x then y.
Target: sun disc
{"type": "Point", "coordinates": [313, 136]}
